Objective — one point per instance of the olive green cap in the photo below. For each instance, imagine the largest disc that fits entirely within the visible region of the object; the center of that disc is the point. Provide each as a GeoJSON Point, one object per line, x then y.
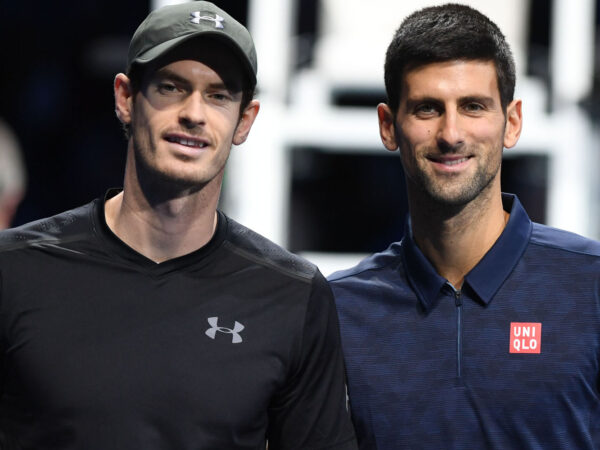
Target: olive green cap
{"type": "Point", "coordinates": [169, 26]}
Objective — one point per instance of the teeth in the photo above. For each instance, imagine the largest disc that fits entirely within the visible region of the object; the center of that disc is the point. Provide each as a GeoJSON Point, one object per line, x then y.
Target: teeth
{"type": "Point", "coordinates": [455, 162]}
{"type": "Point", "coordinates": [187, 142]}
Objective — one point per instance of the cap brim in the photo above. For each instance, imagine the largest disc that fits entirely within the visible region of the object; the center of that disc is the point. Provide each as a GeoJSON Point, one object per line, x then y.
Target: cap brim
{"type": "Point", "coordinates": [165, 47]}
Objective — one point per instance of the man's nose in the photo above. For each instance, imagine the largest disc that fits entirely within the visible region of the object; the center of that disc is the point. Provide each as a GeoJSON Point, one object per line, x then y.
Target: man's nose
{"type": "Point", "coordinates": [450, 134]}
{"type": "Point", "coordinates": [193, 111]}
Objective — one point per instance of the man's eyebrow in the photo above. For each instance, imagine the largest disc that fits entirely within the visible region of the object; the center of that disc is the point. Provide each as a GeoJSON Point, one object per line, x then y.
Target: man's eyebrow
{"type": "Point", "coordinates": [483, 99]}
{"type": "Point", "coordinates": [165, 73]}
{"type": "Point", "coordinates": [170, 75]}
{"type": "Point", "coordinates": [220, 85]}
{"type": "Point", "coordinates": [414, 101]}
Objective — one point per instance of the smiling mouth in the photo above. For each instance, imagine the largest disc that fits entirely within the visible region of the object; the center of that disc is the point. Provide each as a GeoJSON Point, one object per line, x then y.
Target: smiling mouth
{"type": "Point", "coordinates": [452, 162]}
{"type": "Point", "coordinates": [188, 142]}
{"type": "Point", "coordinates": [448, 160]}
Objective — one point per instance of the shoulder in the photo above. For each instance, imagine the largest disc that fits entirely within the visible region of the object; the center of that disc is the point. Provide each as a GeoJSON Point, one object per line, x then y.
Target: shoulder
{"type": "Point", "coordinates": [561, 240]}
{"type": "Point", "coordinates": [370, 266]}
{"type": "Point", "coordinates": [74, 222]}
{"type": "Point", "coordinates": [260, 250]}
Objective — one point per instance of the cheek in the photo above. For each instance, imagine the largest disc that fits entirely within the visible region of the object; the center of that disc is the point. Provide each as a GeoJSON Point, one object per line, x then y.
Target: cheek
{"type": "Point", "coordinates": [409, 152]}
{"type": "Point", "coordinates": [141, 119]}
{"type": "Point", "coordinates": [417, 133]}
{"type": "Point", "coordinates": [225, 124]}
{"type": "Point", "coordinates": [492, 132]}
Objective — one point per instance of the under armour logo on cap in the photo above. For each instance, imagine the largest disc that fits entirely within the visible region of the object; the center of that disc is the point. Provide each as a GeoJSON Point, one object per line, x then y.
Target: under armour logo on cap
{"type": "Point", "coordinates": [235, 332]}
{"type": "Point", "coordinates": [197, 16]}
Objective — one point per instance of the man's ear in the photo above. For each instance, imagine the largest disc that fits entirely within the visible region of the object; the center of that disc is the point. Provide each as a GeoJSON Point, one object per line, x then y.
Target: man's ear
{"type": "Point", "coordinates": [387, 129]}
{"type": "Point", "coordinates": [245, 123]}
{"type": "Point", "coordinates": [123, 98]}
{"type": "Point", "coordinates": [514, 123]}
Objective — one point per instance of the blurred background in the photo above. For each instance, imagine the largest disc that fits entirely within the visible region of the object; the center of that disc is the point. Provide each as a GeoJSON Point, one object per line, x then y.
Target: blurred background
{"type": "Point", "coordinates": [313, 176]}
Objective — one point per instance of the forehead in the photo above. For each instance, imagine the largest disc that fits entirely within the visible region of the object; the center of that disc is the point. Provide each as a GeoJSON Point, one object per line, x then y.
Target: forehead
{"type": "Point", "coordinates": [211, 57]}
{"type": "Point", "coordinates": [452, 78]}
{"type": "Point", "coordinates": [191, 72]}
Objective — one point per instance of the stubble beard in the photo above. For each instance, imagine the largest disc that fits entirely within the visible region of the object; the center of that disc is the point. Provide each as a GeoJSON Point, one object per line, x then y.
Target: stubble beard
{"type": "Point", "coordinates": [452, 193]}
{"type": "Point", "coordinates": [157, 182]}
{"type": "Point", "coordinates": [453, 196]}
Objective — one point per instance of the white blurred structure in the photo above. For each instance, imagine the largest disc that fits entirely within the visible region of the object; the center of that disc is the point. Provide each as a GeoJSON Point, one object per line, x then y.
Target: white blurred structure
{"type": "Point", "coordinates": [155, 4]}
{"type": "Point", "coordinates": [355, 34]}
{"type": "Point", "coordinates": [349, 54]}
{"type": "Point", "coordinates": [297, 108]}
{"type": "Point", "coordinates": [13, 177]}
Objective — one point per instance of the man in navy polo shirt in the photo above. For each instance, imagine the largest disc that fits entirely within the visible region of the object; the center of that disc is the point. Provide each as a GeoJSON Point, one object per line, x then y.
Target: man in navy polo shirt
{"type": "Point", "coordinates": [480, 329]}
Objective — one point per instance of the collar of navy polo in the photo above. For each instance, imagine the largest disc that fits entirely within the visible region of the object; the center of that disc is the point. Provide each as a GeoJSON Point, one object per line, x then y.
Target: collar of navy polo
{"type": "Point", "coordinates": [487, 276]}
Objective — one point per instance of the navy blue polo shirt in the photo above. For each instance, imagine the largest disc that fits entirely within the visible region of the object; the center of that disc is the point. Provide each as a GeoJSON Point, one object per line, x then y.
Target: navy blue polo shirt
{"type": "Point", "coordinates": [512, 360]}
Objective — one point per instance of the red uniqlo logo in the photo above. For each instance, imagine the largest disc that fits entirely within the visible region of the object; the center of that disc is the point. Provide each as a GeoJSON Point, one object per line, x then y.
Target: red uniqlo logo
{"type": "Point", "coordinates": [525, 337]}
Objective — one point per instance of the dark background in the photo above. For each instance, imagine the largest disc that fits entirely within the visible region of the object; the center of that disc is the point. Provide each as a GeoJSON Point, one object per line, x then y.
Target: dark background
{"type": "Point", "coordinates": [59, 60]}
{"type": "Point", "coordinates": [58, 63]}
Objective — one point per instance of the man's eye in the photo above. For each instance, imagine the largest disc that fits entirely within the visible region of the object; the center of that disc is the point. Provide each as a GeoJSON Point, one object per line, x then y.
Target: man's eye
{"type": "Point", "coordinates": [220, 96]}
{"type": "Point", "coordinates": [425, 109]}
{"type": "Point", "coordinates": [166, 88]}
{"type": "Point", "coordinates": [473, 107]}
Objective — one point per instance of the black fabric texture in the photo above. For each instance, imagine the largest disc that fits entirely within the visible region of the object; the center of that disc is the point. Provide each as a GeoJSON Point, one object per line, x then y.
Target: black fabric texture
{"type": "Point", "coordinates": [224, 348]}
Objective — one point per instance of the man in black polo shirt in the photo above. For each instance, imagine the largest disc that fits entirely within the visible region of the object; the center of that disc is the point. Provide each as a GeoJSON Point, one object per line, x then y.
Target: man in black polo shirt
{"type": "Point", "coordinates": [149, 319]}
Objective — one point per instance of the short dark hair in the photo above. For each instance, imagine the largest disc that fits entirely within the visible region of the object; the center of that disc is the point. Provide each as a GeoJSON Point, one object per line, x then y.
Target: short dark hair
{"type": "Point", "coordinates": [445, 33]}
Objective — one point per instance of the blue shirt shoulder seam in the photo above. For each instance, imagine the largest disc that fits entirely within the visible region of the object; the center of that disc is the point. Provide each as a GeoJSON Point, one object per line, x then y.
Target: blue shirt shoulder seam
{"type": "Point", "coordinates": [343, 274]}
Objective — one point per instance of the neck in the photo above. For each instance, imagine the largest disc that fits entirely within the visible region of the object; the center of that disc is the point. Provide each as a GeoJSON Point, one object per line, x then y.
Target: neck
{"type": "Point", "coordinates": [163, 227]}
{"type": "Point", "coordinates": [455, 241]}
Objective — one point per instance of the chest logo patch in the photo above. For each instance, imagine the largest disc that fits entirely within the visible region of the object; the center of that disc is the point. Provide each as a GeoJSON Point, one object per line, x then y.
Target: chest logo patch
{"type": "Point", "coordinates": [236, 338]}
{"type": "Point", "coordinates": [525, 337]}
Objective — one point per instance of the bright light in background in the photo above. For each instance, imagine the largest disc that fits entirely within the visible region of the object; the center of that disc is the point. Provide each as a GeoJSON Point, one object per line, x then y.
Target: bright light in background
{"type": "Point", "coordinates": [349, 50]}
{"type": "Point", "coordinates": [155, 4]}
{"type": "Point", "coordinates": [572, 50]}
{"type": "Point", "coordinates": [349, 53]}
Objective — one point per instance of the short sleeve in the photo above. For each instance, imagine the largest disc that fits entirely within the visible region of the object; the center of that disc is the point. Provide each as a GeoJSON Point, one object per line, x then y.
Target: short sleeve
{"type": "Point", "coordinates": [311, 411]}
